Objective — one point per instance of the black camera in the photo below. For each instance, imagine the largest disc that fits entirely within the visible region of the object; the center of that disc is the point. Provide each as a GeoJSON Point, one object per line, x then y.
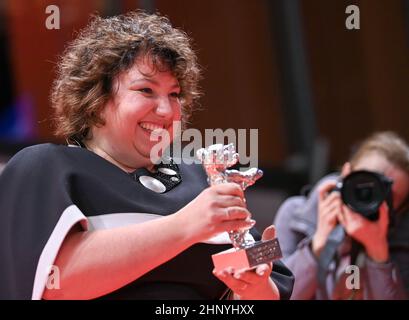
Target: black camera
{"type": "Point", "coordinates": [364, 191]}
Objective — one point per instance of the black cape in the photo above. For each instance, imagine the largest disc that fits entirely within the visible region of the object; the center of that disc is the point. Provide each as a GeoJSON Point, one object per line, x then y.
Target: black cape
{"type": "Point", "coordinates": [46, 189]}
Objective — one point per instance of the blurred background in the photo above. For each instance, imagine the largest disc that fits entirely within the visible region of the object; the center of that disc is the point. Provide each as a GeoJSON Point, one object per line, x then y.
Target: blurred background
{"type": "Point", "coordinates": [289, 68]}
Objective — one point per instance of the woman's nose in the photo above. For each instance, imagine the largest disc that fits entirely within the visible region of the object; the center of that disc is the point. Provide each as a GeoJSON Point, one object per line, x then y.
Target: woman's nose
{"type": "Point", "coordinates": [164, 108]}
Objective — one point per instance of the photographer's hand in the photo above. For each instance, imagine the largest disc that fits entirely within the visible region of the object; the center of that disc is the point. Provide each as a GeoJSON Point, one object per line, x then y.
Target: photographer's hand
{"type": "Point", "coordinates": [372, 234]}
{"type": "Point", "coordinates": [329, 207]}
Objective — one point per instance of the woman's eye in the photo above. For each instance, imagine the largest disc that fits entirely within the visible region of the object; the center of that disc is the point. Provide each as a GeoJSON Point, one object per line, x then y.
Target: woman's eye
{"type": "Point", "coordinates": [146, 90]}
{"type": "Point", "coordinates": [175, 94]}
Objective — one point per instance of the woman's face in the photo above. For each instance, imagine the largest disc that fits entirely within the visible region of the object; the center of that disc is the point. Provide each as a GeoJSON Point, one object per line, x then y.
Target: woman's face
{"type": "Point", "coordinates": [144, 99]}
{"type": "Point", "coordinates": [377, 163]}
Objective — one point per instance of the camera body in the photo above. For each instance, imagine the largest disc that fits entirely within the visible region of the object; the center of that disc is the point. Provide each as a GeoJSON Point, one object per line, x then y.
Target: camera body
{"type": "Point", "coordinates": [364, 191]}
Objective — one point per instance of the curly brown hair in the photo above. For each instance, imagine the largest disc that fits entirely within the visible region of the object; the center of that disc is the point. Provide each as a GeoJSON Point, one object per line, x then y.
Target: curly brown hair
{"type": "Point", "coordinates": [105, 48]}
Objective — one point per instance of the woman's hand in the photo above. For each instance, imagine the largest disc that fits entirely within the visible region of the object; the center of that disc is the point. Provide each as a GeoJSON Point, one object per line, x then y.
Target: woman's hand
{"type": "Point", "coordinates": [372, 234]}
{"type": "Point", "coordinates": [329, 208]}
{"type": "Point", "coordinates": [251, 284]}
{"type": "Point", "coordinates": [216, 209]}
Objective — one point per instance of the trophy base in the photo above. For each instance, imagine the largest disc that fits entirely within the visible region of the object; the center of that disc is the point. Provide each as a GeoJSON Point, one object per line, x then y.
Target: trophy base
{"type": "Point", "coordinates": [258, 253]}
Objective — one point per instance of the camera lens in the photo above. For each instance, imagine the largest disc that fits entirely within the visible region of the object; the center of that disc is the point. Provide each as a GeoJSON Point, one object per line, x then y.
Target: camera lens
{"type": "Point", "coordinates": [364, 192]}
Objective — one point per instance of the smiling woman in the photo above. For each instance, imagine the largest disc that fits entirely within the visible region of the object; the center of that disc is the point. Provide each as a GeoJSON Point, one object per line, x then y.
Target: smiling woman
{"type": "Point", "coordinates": [98, 213]}
{"type": "Point", "coordinates": [146, 101]}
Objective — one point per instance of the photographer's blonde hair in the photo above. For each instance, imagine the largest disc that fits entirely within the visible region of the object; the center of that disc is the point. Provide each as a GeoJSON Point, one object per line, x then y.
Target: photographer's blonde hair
{"type": "Point", "coordinates": [388, 144]}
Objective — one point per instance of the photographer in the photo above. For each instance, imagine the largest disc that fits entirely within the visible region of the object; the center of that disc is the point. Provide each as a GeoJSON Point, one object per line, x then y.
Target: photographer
{"type": "Point", "coordinates": [377, 246]}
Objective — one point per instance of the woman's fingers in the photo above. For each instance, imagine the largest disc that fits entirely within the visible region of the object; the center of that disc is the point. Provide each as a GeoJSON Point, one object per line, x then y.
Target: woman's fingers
{"type": "Point", "coordinates": [234, 213]}
{"type": "Point", "coordinates": [253, 276]}
{"type": "Point", "coordinates": [232, 189]}
{"type": "Point", "coordinates": [325, 188]}
{"type": "Point", "coordinates": [384, 216]}
{"type": "Point", "coordinates": [352, 221]}
{"type": "Point", "coordinates": [344, 216]}
{"type": "Point", "coordinates": [332, 199]}
{"type": "Point", "coordinates": [235, 225]}
{"type": "Point", "coordinates": [264, 269]}
{"type": "Point", "coordinates": [240, 281]}
{"type": "Point", "coordinates": [227, 276]}
{"type": "Point", "coordinates": [269, 233]}
{"type": "Point", "coordinates": [230, 201]}
{"type": "Point", "coordinates": [334, 205]}
{"type": "Point", "coordinates": [329, 213]}
{"type": "Point", "coordinates": [341, 218]}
